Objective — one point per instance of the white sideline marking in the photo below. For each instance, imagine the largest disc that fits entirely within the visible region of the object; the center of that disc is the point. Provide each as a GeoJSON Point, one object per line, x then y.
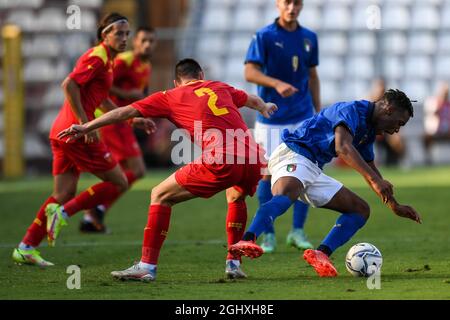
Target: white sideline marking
{"type": "Point", "coordinates": [174, 242]}
{"type": "Point", "coordinates": [121, 243]}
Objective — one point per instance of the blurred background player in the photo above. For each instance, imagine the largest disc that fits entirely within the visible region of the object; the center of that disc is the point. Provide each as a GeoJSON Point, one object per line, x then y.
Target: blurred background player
{"type": "Point", "coordinates": [392, 145]}
{"type": "Point", "coordinates": [346, 130]}
{"type": "Point", "coordinates": [437, 119]}
{"type": "Point", "coordinates": [282, 60]}
{"type": "Point", "coordinates": [215, 105]}
{"type": "Point", "coordinates": [132, 70]}
{"type": "Point", "coordinates": [85, 88]}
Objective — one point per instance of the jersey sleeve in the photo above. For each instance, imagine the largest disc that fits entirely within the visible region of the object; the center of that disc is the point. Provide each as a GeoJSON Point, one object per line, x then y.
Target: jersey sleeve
{"type": "Point", "coordinates": [366, 152]}
{"type": "Point", "coordinates": [314, 61]}
{"type": "Point", "coordinates": [153, 106]}
{"type": "Point", "coordinates": [346, 116]}
{"type": "Point", "coordinates": [239, 97]}
{"type": "Point", "coordinates": [86, 69]}
{"type": "Point", "coordinates": [256, 52]}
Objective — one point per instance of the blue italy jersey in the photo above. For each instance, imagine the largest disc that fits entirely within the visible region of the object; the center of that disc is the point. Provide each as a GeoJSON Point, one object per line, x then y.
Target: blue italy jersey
{"type": "Point", "coordinates": [287, 56]}
{"type": "Point", "coordinates": [314, 139]}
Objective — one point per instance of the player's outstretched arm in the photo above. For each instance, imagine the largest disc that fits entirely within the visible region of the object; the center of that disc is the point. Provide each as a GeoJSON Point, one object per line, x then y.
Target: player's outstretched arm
{"type": "Point", "coordinates": [403, 211]}
{"type": "Point", "coordinates": [398, 209]}
{"type": "Point", "coordinates": [384, 189]}
{"type": "Point", "coordinates": [258, 104]}
{"type": "Point", "coordinates": [347, 152]}
{"type": "Point", "coordinates": [108, 105]}
{"type": "Point", "coordinates": [120, 114]}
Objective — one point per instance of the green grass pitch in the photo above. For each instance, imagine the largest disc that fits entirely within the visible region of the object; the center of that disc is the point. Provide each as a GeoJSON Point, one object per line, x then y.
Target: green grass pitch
{"type": "Point", "coordinates": [416, 257]}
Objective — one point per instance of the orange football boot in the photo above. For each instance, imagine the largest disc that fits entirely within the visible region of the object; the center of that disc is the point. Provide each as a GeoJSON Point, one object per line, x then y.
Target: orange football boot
{"type": "Point", "coordinates": [320, 262]}
{"type": "Point", "coordinates": [246, 248]}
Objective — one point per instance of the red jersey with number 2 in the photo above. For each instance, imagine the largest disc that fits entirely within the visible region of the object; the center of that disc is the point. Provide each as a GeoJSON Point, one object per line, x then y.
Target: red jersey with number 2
{"type": "Point", "coordinates": [204, 108]}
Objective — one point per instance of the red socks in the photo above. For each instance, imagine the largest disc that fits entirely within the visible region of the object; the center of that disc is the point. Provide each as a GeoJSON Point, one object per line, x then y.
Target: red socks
{"type": "Point", "coordinates": [235, 223]}
{"type": "Point", "coordinates": [92, 197]}
{"type": "Point", "coordinates": [131, 178]}
{"type": "Point", "coordinates": [155, 232]}
{"type": "Point", "coordinates": [38, 229]}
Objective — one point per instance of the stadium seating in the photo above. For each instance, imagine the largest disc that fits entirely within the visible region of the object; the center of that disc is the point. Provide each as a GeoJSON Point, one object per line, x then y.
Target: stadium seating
{"type": "Point", "coordinates": [411, 50]}
{"type": "Point", "coordinates": [50, 50]}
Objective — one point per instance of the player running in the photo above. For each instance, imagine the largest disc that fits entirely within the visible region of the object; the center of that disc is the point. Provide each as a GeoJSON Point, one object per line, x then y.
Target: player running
{"type": "Point", "coordinates": [131, 71]}
{"type": "Point", "coordinates": [208, 110]}
{"type": "Point", "coordinates": [347, 130]}
{"type": "Point", "coordinates": [282, 60]}
{"type": "Point", "coordinates": [86, 87]}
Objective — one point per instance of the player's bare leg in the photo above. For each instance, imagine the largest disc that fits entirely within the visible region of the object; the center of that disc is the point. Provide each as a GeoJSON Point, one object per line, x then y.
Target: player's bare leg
{"type": "Point", "coordinates": [285, 191]}
{"type": "Point", "coordinates": [163, 197]}
{"type": "Point", "coordinates": [114, 183]}
{"type": "Point", "coordinates": [347, 203]}
{"type": "Point", "coordinates": [235, 227]}
{"type": "Point", "coordinates": [93, 220]}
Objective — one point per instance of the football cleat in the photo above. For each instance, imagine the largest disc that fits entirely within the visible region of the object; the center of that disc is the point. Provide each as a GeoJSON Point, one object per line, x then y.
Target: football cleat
{"type": "Point", "coordinates": [55, 221]}
{"type": "Point", "coordinates": [96, 224]}
{"type": "Point", "coordinates": [232, 271]}
{"type": "Point", "coordinates": [320, 262]}
{"type": "Point", "coordinates": [32, 257]}
{"type": "Point", "coordinates": [297, 239]}
{"type": "Point", "coordinates": [269, 243]}
{"type": "Point", "coordinates": [135, 272]}
{"type": "Point", "coordinates": [247, 248]}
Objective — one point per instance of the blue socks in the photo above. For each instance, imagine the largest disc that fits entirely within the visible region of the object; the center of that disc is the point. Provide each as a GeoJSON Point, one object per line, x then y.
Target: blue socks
{"type": "Point", "coordinates": [346, 226]}
{"type": "Point", "coordinates": [264, 193]}
{"type": "Point", "coordinates": [300, 214]}
{"type": "Point", "coordinates": [266, 214]}
{"type": "Point", "coordinates": [300, 208]}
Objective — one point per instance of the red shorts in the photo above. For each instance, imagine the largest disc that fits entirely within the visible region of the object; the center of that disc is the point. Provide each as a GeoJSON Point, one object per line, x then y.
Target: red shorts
{"type": "Point", "coordinates": [121, 141]}
{"type": "Point", "coordinates": [205, 180]}
{"type": "Point", "coordinates": [80, 157]}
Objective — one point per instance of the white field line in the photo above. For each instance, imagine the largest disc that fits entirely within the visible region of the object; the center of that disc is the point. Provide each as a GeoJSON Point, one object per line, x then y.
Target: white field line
{"type": "Point", "coordinates": [179, 242]}
{"type": "Point", "coordinates": [123, 243]}
{"type": "Point", "coordinates": [36, 187]}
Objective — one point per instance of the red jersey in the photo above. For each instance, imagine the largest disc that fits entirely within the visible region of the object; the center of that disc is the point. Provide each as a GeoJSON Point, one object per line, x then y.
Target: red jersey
{"type": "Point", "coordinates": [130, 73]}
{"type": "Point", "coordinates": [202, 108]}
{"type": "Point", "coordinates": [93, 73]}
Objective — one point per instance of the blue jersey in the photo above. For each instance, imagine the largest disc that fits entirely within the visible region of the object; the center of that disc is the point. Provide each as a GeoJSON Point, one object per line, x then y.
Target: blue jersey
{"type": "Point", "coordinates": [287, 56]}
{"type": "Point", "coordinates": [314, 139]}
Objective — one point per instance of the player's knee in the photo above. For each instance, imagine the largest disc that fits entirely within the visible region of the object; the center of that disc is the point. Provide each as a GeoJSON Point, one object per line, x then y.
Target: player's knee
{"type": "Point", "coordinates": [161, 196]}
{"type": "Point", "coordinates": [64, 196]}
{"type": "Point", "coordinates": [363, 209]}
{"type": "Point", "coordinates": [139, 173]}
{"type": "Point", "coordinates": [234, 196]}
{"type": "Point", "coordinates": [121, 183]}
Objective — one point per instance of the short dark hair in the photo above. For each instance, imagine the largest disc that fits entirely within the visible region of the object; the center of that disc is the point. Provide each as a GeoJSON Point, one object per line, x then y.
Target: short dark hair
{"type": "Point", "coordinates": [399, 99]}
{"type": "Point", "coordinates": [187, 68]}
{"type": "Point", "coordinates": [107, 20]}
{"type": "Point", "coordinates": [145, 29]}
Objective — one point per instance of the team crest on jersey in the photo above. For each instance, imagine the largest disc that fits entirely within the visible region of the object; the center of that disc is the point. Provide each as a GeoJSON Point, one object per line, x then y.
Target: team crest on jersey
{"type": "Point", "coordinates": [108, 157]}
{"type": "Point", "coordinates": [295, 63]}
{"type": "Point", "coordinates": [291, 167]}
{"type": "Point", "coordinates": [307, 45]}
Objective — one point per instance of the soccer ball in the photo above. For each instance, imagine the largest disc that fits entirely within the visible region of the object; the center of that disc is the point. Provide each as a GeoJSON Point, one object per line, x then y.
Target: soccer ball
{"type": "Point", "coordinates": [363, 260]}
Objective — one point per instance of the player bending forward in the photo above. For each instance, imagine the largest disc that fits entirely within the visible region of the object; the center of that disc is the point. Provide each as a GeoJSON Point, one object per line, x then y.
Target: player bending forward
{"type": "Point", "coordinates": [347, 130]}
{"type": "Point", "coordinates": [209, 108]}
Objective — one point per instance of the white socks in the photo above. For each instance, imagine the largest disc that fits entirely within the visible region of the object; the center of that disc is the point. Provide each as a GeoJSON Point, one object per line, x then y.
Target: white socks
{"type": "Point", "coordinates": [147, 266]}
{"type": "Point", "coordinates": [23, 246]}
